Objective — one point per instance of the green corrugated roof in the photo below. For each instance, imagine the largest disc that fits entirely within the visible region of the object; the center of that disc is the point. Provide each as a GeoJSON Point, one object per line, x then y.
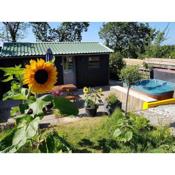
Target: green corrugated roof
{"type": "Point", "coordinates": [59, 48]}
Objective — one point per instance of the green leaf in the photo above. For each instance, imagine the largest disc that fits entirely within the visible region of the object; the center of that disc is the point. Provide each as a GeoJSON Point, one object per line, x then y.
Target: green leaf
{"type": "Point", "coordinates": [64, 106]}
{"type": "Point", "coordinates": [32, 128]}
{"type": "Point", "coordinates": [24, 91]}
{"type": "Point", "coordinates": [23, 119]}
{"type": "Point", "coordinates": [47, 98]}
{"type": "Point", "coordinates": [14, 111]}
{"type": "Point", "coordinates": [9, 78]}
{"type": "Point", "coordinates": [17, 70]}
{"type": "Point", "coordinates": [117, 132]}
{"type": "Point", "coordinates": [53, 143]}
{"type": "Point", "coordinates": [38, 106]}
{"type": "Point", "coordinates": [128, 135]}
{"type": "Point", "coordinates": [16, 92]}
{"type": "Point", "coordinates": [20, 138]}
{"type": "Point", "coordinates": [14, 97]}
{"type": "Point", "coordinates": [24, 132]}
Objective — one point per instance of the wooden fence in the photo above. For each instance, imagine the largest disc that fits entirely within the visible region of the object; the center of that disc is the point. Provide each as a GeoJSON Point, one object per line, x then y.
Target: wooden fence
{"type": "Point", "coordinates": [165, 63]}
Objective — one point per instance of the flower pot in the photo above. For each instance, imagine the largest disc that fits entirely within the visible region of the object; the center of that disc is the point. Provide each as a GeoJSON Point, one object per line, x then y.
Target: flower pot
{"type": "Point", "coordinates": [91, 111]}
{"type": "Point", "coordinates": [110, 108]}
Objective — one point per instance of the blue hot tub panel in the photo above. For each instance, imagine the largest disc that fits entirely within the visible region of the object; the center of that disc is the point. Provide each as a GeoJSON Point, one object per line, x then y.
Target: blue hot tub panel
{"type": "Point", "coordinates": [154, 86]}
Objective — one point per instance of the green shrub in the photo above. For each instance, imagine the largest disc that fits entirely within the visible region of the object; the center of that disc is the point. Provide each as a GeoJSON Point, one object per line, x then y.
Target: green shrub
{"type": "Point", "coordinates": [111, 99]}
{"type": "Point", "coordinates": [135, 134]}
{"type": "Point", "coordinates": [116, 63]}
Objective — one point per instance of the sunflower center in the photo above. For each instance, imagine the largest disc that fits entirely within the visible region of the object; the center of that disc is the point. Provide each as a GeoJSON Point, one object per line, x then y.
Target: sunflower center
{"type": "Point", "coordinates": [41, 76]}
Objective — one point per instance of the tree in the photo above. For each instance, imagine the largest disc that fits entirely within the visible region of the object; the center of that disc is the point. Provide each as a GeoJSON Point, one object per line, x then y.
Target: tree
{"type": "Point", "coordinates": [12, 31]}
{"type": "Point", "coordinates": [128, 38]}
{"type": "Point", "coordinates": [156, 50]}
{"type": "Point", "coordinates": [42, 31]}
{"type": "Point", "coordinates": [116, 63]}
{"type": "Point", "coordinates": [130, 75]}
{"type": "Point", "coordinates": [71, 31]}
{"type": "Point", "coordinates": [66, 31]}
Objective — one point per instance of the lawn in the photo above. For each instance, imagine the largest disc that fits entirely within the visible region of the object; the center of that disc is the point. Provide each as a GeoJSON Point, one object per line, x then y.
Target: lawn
{"type": "Point", "coordinates": [134, 134]}
{"type": "Point", "coordinates": [86, 135]}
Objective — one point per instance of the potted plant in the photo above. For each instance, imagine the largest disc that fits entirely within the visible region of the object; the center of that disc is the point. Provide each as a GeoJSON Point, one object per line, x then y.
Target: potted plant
{"type": "Point", "coordinates": [112, 103]}
{"type": "Point", "coordinates": [92, 100]}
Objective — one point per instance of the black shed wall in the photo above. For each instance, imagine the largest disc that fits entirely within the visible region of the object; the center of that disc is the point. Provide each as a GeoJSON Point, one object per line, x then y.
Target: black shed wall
{"type": "Point", "coordinates": [87, 76]}
{"type": "Point", "coordinates": [58, 63]}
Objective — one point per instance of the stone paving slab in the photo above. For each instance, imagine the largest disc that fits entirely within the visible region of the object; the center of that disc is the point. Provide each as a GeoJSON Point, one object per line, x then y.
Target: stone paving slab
{"type": "Point", "coordinates": [54, 120]}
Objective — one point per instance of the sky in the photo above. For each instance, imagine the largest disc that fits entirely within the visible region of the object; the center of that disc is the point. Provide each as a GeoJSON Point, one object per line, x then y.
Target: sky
{"type": "Point", "coordinates": [92, 33]}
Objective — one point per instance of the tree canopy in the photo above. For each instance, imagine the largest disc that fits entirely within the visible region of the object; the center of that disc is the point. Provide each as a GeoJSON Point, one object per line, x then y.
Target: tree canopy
{"type": "Point", "coordinates": [128, 38]}
{"type": "Point", "coordinates": [12, 31]}
{"type": "Point", "coordinates": [66, 31]}
{"type": "Point", "coordinates": [71, 31]}
{"type": "Point", "coordinates": [42, 31]}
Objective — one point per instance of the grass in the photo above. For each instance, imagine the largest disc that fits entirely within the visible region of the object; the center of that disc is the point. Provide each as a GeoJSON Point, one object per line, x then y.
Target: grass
{"type": "Point", "coordinates": [86, 134]}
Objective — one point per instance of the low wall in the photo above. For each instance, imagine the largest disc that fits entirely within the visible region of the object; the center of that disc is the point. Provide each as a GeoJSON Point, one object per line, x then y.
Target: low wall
{"type": "Point", "coordinates": [135, 100]}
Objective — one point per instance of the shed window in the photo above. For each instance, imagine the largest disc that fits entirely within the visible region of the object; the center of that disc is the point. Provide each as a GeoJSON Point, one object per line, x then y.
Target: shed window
{"type": "Point", "coordinates": [94, 62]}
{"type": "Point", "coordinates": [67, 63]}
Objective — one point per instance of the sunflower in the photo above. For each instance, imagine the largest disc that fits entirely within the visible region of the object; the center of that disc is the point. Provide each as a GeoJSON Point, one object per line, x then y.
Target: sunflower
{"type": "Point", "coordinates": [85, 90]}
{"type": "Point", "coordinates": [40, 76]}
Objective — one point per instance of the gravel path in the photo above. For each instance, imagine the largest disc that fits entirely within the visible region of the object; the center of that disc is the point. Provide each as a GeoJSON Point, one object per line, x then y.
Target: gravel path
{"type": "Point", "coordinates": [161, 115]}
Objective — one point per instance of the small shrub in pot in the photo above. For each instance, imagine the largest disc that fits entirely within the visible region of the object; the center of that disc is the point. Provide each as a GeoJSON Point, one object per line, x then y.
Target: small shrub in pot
{"type": "Point", "coordinates": [112, 103]}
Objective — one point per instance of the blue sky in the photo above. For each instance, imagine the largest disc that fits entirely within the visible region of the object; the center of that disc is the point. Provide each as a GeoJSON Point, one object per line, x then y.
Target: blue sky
{"type": "Point", "coordinates": [92, 33]}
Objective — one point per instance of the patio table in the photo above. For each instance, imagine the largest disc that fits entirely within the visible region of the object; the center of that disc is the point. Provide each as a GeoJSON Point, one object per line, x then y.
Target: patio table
{"type": "Point", "coordinates": [67, 90]}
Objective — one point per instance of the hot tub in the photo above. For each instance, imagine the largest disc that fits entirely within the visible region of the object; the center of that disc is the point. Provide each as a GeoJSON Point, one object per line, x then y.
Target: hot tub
{"type": "Point", "coordinates": [155, 88]}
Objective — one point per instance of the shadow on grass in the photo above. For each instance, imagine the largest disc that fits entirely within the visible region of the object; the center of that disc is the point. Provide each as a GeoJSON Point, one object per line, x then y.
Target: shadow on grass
{"type": "Point", "coordinates": [106, 145]}
{"type": "Point", "coordinates": [86, 142]}
{"type": "Point", "coordinates": [102, 145]}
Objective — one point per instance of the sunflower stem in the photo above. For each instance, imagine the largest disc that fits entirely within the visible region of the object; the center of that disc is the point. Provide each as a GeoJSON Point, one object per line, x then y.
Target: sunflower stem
{"type": "Point", "coordinates": [36, 95]}
{"type": "Point", "coordinates": [28, 94]}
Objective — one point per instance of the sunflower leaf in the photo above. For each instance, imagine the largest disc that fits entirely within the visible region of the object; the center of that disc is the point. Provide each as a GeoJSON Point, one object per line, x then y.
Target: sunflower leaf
{"type": "Point", "coordinates": [17, 70]}
{"type": "Point", "coordinates": [20, 137]}
{"type": "Point", "coordinates": [47, 97]}
{"type": "Point", "coordinates": [64, 106]}
{"type": "Point", "coordinates": [24, 133]}
{"type": "Point", "coordinates": [38, 106]}
{"type": "Point", "coordinates": [9, 78]}
{"type": "Point", "coordinates": [32, 128]}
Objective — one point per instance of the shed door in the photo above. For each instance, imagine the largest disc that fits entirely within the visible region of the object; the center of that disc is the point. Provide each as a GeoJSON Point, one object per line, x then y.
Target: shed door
{"type": "Point", "coordinates": [68, 70]}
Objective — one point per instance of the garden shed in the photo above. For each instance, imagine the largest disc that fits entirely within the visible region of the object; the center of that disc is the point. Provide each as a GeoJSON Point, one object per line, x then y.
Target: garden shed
{"type": "Point", "coordinates": [79, 63]}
